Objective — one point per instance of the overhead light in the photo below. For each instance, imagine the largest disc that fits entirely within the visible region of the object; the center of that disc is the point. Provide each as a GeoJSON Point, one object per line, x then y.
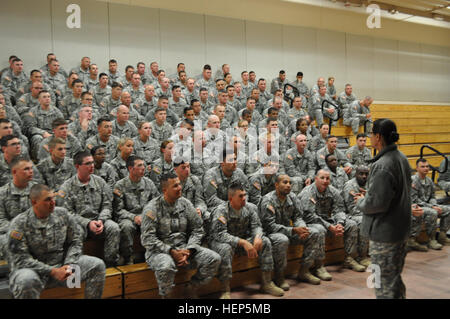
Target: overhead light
{"type": "Point", "coordinates": [393, 11]}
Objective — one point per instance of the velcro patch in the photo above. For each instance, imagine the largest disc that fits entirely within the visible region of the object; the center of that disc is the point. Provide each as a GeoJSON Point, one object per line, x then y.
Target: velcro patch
{"type": "Point", "coordinates": [223, 220]}
{"type": "Point", "coordinates": [61, 193]}
{"type": "Point", "coordinates": [213, 183]}
{"type": "Point", "coordinates": [117, 192]}
{"type": "Point", "coordinates": [270, 207]}
{"type": "Point", "coordinates": [156, 170]}
{"type": "Point", "coordinates": [257, 185]}
{"type": "Point", "coordinates": [290, 157]}
{"type": "Point", "coordinates": [150, 214]}
{"type": "Point", "coordinates": [16, 235]}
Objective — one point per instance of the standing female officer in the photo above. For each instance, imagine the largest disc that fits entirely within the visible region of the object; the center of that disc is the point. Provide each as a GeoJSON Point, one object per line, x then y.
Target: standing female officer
{"type": "Point", "coordinates": [387, 209]}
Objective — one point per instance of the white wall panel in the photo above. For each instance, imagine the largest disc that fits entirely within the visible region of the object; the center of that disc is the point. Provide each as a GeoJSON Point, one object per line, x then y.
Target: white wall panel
{"type": "Point", "coordinates": [331, 59]}
{"type": "Point", "coordinates": [24, 34]}
{"type": "Point", "coordinates": [264, 49]}
{"type": "Point", "coordinates": [360, 64]}
{"type": "Point", "coordinates": [385, 69]}
{"type": "Point", "coordinates": [134, 35]}
{"type": "Point", "coordinates": [410, 76]}
{"type": "Point", "coordinates": [225, 44]}
{"type": "Point", "coordinates": [91, 40]}
{"type": "Point", "coordinates": [300, 53]}
{"type": "Point", "coordinates": [434, 72]}
{"type": "Point", "coordinates": [182, 40]}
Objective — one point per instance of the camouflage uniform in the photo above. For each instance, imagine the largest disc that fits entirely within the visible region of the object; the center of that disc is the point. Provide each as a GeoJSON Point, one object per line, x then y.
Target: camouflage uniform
{"type": "Point", "coordinates": [161, 133]}
{"type": "Point", "coordinates": [135, 94]}
{"type": "Point", "coordinates": [110, 146]}
{"type": "Point", "coordinates": [99, 93]}
{"type": "Point", "coordinates": [83, 74]}
{"type": "Point", "coordinates": [228, 227]}
{"type": "Point", "coordinates": [323, 152]}
{"type": "Point", "coordinates": [143, 106]}
{"type": "Point", "coordinates": [135, 117]}
{"type": "Point", "coordinates": [108, 173]}
{"type": "Point", "coordinates": [316, 109]}
{"type": "Point", "coordinates": [149, 150]}
{"type": "Point", "coordinates": [73, 146]}
{"type": "Point", "coordinates": [215, 185]}
{"type": "Point", "coordinates": [358, 157]}
{"type": "Point", "coordinates": [108, 104]}
{"type": "Point", "coordinates": [113, 77]}
{"type": "Point", "coordinates": [260, 185]}
{"type": "Point", "coordinates": [6, 176]}
{"type": "Point", "coordinates": [444, 178]}
{"type": "Point", "coordinates": [299, 167]}
{"type": "Point", "coordinates": [258, 159]}
{"type": "Point", "coordinates": [338, 179]}
{"type": "Point", "coordinates": [355, 116]}
{"type": "Point", "coordinates": [129, 200]}
{"type": "Point", "coordinates": [353, 213]}
{"type": "Point", "coordinates": [165, 227]}
{"type": "Point", "coordinates": [328, 209]}
{"type": "Point", "coordinates": [316, 143]}
{"type": "Point", "coordinates": [57, 83]}
{"type": "Point", "coordinates": [56, 174]}
{"type": "Point", "coordinates": [92, 202]}
{"type": "Point", "coordinates": [171, 118]}
{"type": "Point", "coordinates": [36, 246]}
{"type": "Point", "coordinates": [178, 107]}
{"type": "Point", "coordinates": [119, 165]}
{"type": "Point", "coordinates": [11, 82]}
{"type": "Point", "coordinates": [25, 103]}
{"type": "Point", "coordinates": [80, 134]}
{"type": "Point", "coordinates": [159, 167]}
{"type": "Point", "coordinates": [422, 194]}
{"type": "Point", "coordinates": [13, 201]}
{"type": "Point", "coordinates": [279, 219]}
{"type": "Point", "coordinates": [193, 191]}
{"type": "Point", "coordinates": [345, 100]}
{"type": "Point", "coordinates": [69, 105]}
{"type": "Point", "coordinates": [127, 130]}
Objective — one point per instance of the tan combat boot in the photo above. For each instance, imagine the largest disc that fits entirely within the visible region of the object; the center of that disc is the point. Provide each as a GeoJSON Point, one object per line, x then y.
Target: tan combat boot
{"type": "Point", "coordinates": [280, 281]}
{"type": "Point", "coordinates": [305, 276]}
{"type": "Point", "coordinates": [433, 244]}
{"type": "Point", "coordinates": [414, 245]}
{"type": "Point", "coordinates": [225, 289]}
{"type": "Point", "coordinates": [322, 273]}
{"type": "Point", "coordinates": [350, 263]}
{"type": "Point", "coordinates": [268, 286]}
{"type": "Point", "coordinates": [442, 239]}
{"type": "Point", "coordinates": [365, 261]}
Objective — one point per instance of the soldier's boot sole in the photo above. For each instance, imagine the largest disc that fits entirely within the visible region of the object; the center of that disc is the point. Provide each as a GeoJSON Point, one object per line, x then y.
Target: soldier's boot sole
{"type": "Point", "coordinates": [272, 289]}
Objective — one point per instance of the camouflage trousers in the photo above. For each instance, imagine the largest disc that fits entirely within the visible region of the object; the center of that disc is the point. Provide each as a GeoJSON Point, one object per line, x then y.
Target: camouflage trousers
{"type": "Point", "coordinates": [355, 123]}
{"type": "Point", "coordinates": [3, 245]}
{"type": "Point", "coordinates": [429, 219]}
{"type": "Point", "coordinates": [204, 260]}
{"type": "Point", "coordinates": [390, 257]}
{"type": "Point", "coordinates": [313, 247]}
{"type": "Point", "coordinates": [111, 234]}
{"type": "Point", "coordinates": [318, 116]}
{"type": "Point", "coordinates": [27, 284]}
{"type": "Point", "coordinates": [362, 246]}
{"type": "Point", "coordinates": [227, 252]}
{"type": "Point", "coordinates": [351, 231]}
{"type": "Point", "coordinates": [35, 141]}
{"type": "Point", "coordinates": [444, 185]}
{"type": "Point", "coordinates": [128, 230]}
{"type": "Point", "coordinates": [444, 224]}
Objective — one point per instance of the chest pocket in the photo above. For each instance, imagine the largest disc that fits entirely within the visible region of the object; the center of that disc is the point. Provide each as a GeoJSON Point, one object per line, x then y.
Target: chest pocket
{"type": "Point", "coordinates": [323, 206]}
{"type": "Point", "coordinates": [56, 237]}
{"type": "Point", "coordinates": [178, 222]}
{"type": "Point", "coordinates": [238, 225]}
{"type": "Point", "coordinates": [16, 205]}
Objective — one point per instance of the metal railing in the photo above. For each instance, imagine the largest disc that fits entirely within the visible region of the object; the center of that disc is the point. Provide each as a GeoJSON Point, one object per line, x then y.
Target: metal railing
{"type": "Point", "coordinates": [330, 119]}
{"type": "Point", "coordinates": [434, 169]}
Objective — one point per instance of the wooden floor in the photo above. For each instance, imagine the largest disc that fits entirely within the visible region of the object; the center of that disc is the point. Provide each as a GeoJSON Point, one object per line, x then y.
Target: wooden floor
{"type": "Point", "coordinates": [426, 276]}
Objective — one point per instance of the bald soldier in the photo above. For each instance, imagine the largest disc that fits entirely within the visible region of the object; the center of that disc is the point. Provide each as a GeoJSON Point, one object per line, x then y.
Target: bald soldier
{"type": "Point", "coordinates": [282, 220]}
{"type": "Point", "coordinates": [41, 257]}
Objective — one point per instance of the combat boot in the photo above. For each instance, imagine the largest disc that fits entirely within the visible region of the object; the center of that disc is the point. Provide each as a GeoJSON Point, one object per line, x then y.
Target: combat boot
{"type": "Point", "coordinates": [225, 290]}
{"type": "Point", "coordinates": [414, 245]}
{"type": "Point", "coordinates": [350, 263]}
{"type": "Point", "coordinates": [442, 239]}
{"type": "Point", "coordinates": [269, 287]}
{"type": "Point", "coordinates": [191, 291]}
{"type": "Point", "coordinates": [322, 273]}
{"type": "Point", "coordinates": [280, 281]}
{"type": "Point", "coordinates": [365, 261]}
{"type": "Point", "coordinates": [305, 276]}
{"type": "Point", "coordinates": [433, 244]}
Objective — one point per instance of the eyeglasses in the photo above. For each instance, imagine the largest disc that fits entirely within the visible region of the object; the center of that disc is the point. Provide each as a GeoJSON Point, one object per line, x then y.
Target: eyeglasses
{"type": "Point", "coordinates": [88, 163]}
{"type": "Point", "coordinates": [14, 144]}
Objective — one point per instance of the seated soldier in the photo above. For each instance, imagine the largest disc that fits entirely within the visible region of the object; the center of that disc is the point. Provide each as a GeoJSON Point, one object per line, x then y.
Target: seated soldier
{"type": "Point", "coordinates": [353, 187]}
{"type": "Point", "coordinates": [60, 130]}
{"type": "Point", "coordinates": [219, 110]}
{"type": "Point", "coordinates": [101, 89]}
{"type": "Point", "coordinates": [103, 169]}
{"type": "Point", "coordinates": [359, 154]}
{"type": "Point", "coordinates": [262, 182]}
{"type": "Point", "coordinates": [324, 204]}
{"type": "Point", "coordinates": [299, 165]}
{"type": "Point", "coordinates": [56, 168]}
{"type": "Point", "coordinates": [331, 148]}
{"type": "Point", "coordinates": [161, 130]}
{"type": "Point", "coordinates": [39, 121]}
{"type": "Point", "coordinates": [147, 102]}
{"type": "Point", "coordinates": [71, 103]}
{"type": "Point", "coordinates": [422, 194]}
{"type": "Point", "coordinates": [146, 146]}
{"type": "Point", "coordinates": [444, 178]}
{"type": "Point", "coordinates": [8, 127]}
{"type": "Point", "coordinates": [14, 197]}
{"type": "Point", "coordinates": [83, 127]}
{"type": "Point", "coordinates": [297, 111]}
{"type": "Point", "coordinates": [200, 116]}
{"type": "Point", "coordinates": [136, 89]}
{"type": "Point", "coordinates": [253, 114]}
{"type": "Point", "coordinates": [164, 163]}
{"type": "Point", "coordinates": [273, 113]}
{"type": "Point", "coordinates": [236, 228]}
{"type": "Point", "coordinates": [329, 110]}
{"type": "Point", "coordinates": [346, 98]}
{"type": "Point", "coordinates": [283, 223]}
{"type": "Point", "coordinates": [273, 126]}
{"type": "Point", "coordinates": [122, 126]}
{"type": "Point", "coordinates": [104, 138]}
{"type": "Point", "coordinates": [320, 140]}
{"type": "Point", "coordinates": [192, 189]}
{"type": "Point", "coordinates": [131, 194]}
{"type": "Point", "coordinates": [134, 115]}
{"type": "Point", "coordinates": [29, 100]}
{"type": "Point", "coordinates": [358, 114]}
{"type": "Point", "coordinates": [163, 103]}
{"type": "Point", "coordinates": [110, 102]}
{"type": "Point", "coordinates": [87, 197]}
{"type": "Point", "coordinates": [338, 178]}
{"type": "Point", "coordinates": [119, 163]}
{"type": "Point", "coordinates": [177, 103]}
{"type": "Point", "coordinates": [218, 178]}
{"type": "Point", "coordinates": [41, 257]}
{"type": "Point", "coordinates": [201, 159]}
{"type": "Point", "coordinates": [301, 127]}
{"type": "Point", "coordinates": [10, 145]}
{"type": "Point", "coordinates": [171, 232]}
{"type": "Point", "coordinates": [268, 151]}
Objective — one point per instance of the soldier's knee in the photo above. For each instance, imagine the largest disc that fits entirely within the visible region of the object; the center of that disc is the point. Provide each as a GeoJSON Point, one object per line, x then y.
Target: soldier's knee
{"type": "Point", "coordinates": [279, 240]}
{"type": "Point", "coordinates": [25, 280]}
{"type": "Point", "coordinates": [351, 226]}
{"type": "Point", "coordinates": [266, 242]}
{"type": "Point", "coordinates": [112, 227]}
{"type": "Point", "coordinates": [127, 226]}
{"type": "Point", "coordinates": [164, 263]}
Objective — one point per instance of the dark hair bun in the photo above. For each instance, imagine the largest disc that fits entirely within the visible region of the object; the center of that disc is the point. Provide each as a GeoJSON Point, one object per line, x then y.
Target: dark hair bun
{"type": "Point", "coordinates": [394, 136]}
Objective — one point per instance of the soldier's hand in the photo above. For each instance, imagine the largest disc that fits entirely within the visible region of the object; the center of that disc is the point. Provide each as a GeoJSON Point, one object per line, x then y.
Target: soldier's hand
{"type": "Point", "coordinates": [302, 232]}
{"type": "Point", "coordinates": [199, 212]}
{"type": "Point", "coordinates": [46, 134]}
{"type": "Point", "coordinates": [257, 243]}
{"type": "Point", "coordinates": [308, 182]}
{"type": "Point", "coordinates": [330, 110]}
{"type": "Point", "coordinates": [438, 209]}
{"type": "Point", "coordinates": [179, 257]}
{"type": "Point", "coordinates": [249, 249]}
{"type": "Point", "coordinates": [357, 196]}
{"type": "Point", "coordinates": [138, 219]}
{"type": "Point", "coordinates": [416, 210]}
{"type": "Point", "coordinates": [61, 273]}
{"type": "Point", "coordinates": [334, 230]}
{"type": "Point", "coordinates": [368, 116]}
{"type": "Point", "coordinates": [348, 169]}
